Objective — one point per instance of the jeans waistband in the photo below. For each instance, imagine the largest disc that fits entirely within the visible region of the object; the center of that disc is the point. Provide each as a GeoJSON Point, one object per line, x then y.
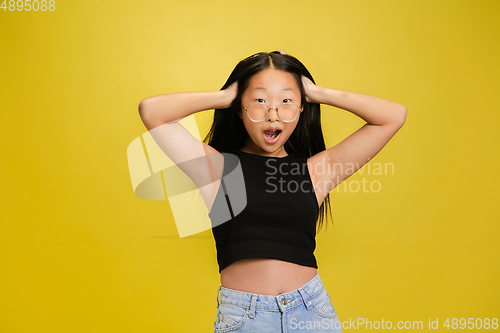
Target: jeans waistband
{"type": "Point", "coordinates": [281, 302]}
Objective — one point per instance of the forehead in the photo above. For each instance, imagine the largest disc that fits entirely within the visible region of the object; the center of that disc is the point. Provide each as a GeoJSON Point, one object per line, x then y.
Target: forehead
{"type": "Point", "coordinates": [273, 81]}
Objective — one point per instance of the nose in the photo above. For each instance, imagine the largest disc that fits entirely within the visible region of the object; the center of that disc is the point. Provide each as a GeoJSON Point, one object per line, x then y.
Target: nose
{"type": "Point", "coordinates": [272, 115]}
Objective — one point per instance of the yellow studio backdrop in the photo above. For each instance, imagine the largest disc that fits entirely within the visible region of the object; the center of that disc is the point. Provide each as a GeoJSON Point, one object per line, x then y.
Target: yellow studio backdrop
{"type": "Point", "coordinates": [80, 252]}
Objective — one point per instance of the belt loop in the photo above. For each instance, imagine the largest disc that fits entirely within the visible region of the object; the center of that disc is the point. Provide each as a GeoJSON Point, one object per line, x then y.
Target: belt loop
{"type": "Point", "coordinates": [252, 306]}
{"type": "Point", "coordinates": [217, 298]}
{"type": "Point", "coordinates": [307, 302]}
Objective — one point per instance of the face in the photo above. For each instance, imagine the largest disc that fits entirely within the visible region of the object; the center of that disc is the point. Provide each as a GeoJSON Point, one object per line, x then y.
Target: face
{"type": "Point", "coordinates": [272, 87]}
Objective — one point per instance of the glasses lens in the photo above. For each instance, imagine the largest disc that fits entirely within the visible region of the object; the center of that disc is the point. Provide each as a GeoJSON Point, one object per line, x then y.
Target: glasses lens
{"type": "Point", "coordinates": [288, 112]}
{"type": "Point", "coordinates": [257, 112]}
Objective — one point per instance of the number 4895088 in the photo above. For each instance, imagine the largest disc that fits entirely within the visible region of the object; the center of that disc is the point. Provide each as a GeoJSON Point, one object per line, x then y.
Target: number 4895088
{"type": "Point", "coordinates": [470, 323]}
{"type": "Point", "coordinates": [28, 5]}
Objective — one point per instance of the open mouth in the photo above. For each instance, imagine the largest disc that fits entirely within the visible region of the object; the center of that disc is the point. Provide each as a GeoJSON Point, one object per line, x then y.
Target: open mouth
{"type": "Point", "coordinates": [271, 136]}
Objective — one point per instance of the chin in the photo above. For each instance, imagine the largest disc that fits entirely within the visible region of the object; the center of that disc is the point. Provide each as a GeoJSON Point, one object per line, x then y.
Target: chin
{"type": "Point", "coordinates": [274, 148]}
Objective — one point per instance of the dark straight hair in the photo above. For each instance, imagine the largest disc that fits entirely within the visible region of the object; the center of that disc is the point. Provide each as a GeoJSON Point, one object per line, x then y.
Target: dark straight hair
{"type": "Point", "coordinates": [228, 132]}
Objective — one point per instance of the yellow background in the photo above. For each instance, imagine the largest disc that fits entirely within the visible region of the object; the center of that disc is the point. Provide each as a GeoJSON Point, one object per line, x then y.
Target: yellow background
{"type": "Point", "coordinates": [80, 253]}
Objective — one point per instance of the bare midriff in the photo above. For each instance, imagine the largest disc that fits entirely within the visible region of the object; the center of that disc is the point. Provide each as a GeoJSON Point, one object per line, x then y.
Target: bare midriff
{"type": "Point", "coordinates": [265, 276]}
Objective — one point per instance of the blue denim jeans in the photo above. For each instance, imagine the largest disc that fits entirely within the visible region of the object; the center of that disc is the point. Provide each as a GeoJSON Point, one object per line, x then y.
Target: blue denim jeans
{"type": "Point", "coordinates": [306, 309]}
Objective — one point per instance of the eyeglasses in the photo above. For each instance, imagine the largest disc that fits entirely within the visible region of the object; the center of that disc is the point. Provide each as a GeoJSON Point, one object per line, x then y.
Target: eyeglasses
{"type": "Point", "coordinates": [287, 112]}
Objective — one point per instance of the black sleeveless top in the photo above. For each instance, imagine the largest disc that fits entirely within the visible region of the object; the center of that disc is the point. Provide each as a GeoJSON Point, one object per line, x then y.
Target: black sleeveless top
{"type": "Point", "coordinates": [265, 207]}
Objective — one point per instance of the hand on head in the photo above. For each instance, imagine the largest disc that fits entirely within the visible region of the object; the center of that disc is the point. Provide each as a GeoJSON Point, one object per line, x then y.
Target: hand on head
{"type": "Point", "coordinates": [231, 92]}
{"type": "Point", "coordinates": [309, 88]}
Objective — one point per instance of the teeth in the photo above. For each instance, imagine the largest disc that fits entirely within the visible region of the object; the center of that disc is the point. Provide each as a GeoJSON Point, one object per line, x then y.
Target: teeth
{"type": "Point", "coordinates": [272, 134]}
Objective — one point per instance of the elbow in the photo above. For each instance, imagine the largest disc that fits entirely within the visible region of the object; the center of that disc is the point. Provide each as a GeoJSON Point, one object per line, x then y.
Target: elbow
{"type": "Point", "coordinates": [145, 114]}
{"type": "Point", "coordinates": [142, 108]}
{"type": "Point", "coordinates": [404, 111]}
{"type": "Point", "coordinates": [397, 118]}
{"type": "Point", "coordinates": [400, 117]}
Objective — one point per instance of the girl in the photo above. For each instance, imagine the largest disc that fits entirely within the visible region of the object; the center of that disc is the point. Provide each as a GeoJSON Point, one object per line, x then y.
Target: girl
{"type": "Point", "coordinates": [264, 217]}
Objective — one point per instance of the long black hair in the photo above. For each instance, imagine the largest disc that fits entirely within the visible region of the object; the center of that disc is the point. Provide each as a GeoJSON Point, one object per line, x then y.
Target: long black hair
{"type": "Point", "coordinates": [228, 131]}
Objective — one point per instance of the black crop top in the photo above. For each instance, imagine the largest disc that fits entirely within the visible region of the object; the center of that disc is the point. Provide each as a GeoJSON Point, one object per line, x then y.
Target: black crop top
{"type": "Point", "coordinates": [270, 213]}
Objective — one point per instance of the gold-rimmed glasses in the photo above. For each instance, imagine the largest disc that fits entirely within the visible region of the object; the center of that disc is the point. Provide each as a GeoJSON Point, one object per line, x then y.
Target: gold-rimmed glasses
{"type": "Point", "coordinates": [258, 112]}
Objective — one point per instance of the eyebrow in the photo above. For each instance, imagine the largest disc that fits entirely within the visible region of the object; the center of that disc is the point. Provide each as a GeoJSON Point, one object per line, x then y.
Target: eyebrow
{"type": "Point", "coordinates": [262, 88]}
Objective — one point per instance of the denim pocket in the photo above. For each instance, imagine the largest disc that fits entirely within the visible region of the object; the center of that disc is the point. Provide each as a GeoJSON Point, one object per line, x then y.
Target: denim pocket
{"type": "Point", "coordinates": [230, 317]}
{"type": "Point", "coordinates": [322, 305]}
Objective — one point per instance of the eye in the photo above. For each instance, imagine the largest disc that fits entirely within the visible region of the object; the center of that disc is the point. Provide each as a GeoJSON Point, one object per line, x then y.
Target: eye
{"type": "Point", "coordinates": [260, 100]}
{"type": "Point", "coordinates": [287, 99]}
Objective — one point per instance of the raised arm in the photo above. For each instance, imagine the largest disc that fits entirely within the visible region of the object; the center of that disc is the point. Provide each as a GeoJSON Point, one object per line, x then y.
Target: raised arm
{"type": "Point", "coordinates": [162, 109]}
{"type": "Point", "coordinates": [383, 119]}
{"type": "Point", "coordinates": [200, 162]}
